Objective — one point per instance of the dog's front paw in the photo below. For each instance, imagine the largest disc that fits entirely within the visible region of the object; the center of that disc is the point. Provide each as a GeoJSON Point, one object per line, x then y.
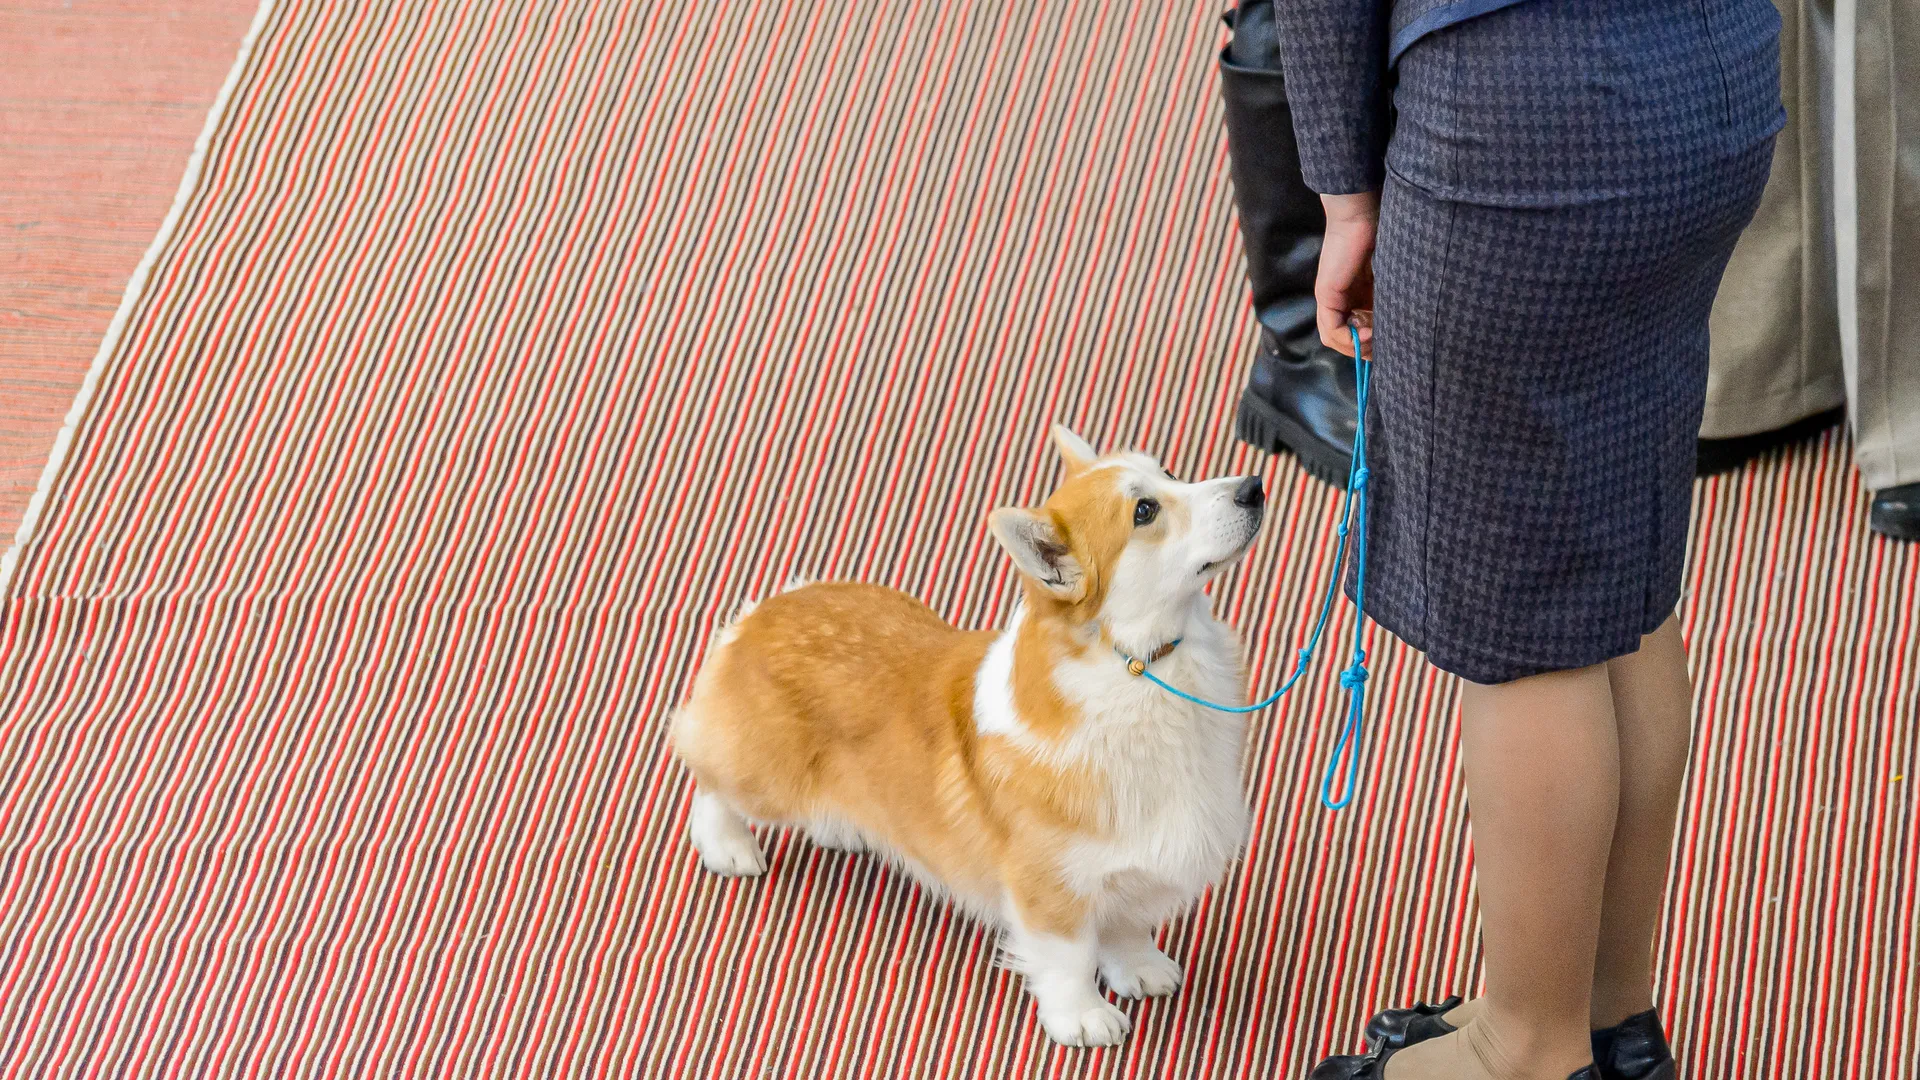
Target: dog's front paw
{"type": "Point", "coordinates": [1095, 1023]}
{"type": "Point", "coordinates": [1140, 973]}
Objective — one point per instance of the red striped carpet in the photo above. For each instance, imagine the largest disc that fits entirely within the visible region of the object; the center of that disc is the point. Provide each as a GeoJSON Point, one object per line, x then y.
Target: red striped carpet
{"type": "Point", "coordinates": [500, 347]}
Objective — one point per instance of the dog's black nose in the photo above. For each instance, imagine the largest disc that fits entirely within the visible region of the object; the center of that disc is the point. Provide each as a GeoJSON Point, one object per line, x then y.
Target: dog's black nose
{"type": "Point", "coordinates": [1250, 494]}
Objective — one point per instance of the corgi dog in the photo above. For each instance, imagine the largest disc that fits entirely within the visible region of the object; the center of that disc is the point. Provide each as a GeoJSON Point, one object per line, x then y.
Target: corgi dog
{"type": "Point", "coordinates": [1027, 774]}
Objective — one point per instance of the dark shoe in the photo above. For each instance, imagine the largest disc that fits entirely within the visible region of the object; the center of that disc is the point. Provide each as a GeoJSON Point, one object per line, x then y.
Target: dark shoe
{"type": "Point", "coordinates": [1725, 455]}
{"type": "Point", "coordinates": [1346, 1067]}
{"type": "Point", "coordinates": [1634, 1049]}
{"type": "Point", "coordinates": [1896, 512]}
{"type": "Point", "coordinates": [1373, 1066]}
{"type": "Point", "coordinates": [1394, 1028]}
{"type": "Point", "coordinates": [1301, 396]}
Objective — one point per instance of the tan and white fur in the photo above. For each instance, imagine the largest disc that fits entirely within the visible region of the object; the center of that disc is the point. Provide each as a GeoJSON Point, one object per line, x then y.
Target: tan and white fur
{"type": "Point", "coordinates": [1024, 773]}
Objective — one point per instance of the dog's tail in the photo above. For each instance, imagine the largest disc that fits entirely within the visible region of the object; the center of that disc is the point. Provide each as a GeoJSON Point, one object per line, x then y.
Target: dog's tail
{"type": "Point", "coordinates": [683, 723]}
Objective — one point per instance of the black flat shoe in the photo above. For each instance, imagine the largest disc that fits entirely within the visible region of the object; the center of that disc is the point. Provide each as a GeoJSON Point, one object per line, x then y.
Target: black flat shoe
{"type": "Point", "coordinates": [1373, 1066]}
{"type": "Point", "coordinates": [1395, 1028]}
{"type": "Point", "coordinates": [1634, 1049]}
{"type": "Point", "coordinates": [1896, 512]}
{"type": "Point", "coordinates": [1346, 1067]}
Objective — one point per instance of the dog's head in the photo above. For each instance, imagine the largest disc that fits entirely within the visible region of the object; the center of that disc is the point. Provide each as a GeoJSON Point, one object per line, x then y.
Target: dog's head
{"type": "Point", "coordinates": [1123, 540]}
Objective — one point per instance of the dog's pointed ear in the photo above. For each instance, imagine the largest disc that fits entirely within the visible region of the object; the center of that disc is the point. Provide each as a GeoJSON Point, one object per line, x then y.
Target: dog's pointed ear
{"type": "Point", "coordinates": [1077, 452]}
{"type": "Point", "coordinates": [1038, 551]}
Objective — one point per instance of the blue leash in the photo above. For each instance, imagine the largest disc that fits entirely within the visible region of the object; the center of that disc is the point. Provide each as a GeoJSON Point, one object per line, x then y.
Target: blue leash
{"type": "Point", "coordinates": [1354, 677]}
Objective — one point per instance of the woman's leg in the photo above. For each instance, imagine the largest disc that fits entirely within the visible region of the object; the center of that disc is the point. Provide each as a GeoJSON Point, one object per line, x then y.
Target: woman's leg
{"type": "Point", "coordinates": [1653, 706]}
{"type": "Point", "coordinates": [1543, 783]}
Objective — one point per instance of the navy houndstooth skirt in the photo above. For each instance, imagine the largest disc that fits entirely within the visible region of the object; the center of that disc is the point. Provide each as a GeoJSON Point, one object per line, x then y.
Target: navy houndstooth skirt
{"type": "Point", "coordinates": [1565, 184]}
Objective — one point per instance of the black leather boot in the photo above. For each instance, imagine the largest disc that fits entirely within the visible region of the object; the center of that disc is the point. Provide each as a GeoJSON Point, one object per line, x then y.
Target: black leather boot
{"type": "Point", "coordinates": [1301, 396]}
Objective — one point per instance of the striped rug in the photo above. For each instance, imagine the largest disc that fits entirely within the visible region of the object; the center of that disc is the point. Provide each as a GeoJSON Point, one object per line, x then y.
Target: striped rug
{"type": "Point", "coordinates": [497, 349]}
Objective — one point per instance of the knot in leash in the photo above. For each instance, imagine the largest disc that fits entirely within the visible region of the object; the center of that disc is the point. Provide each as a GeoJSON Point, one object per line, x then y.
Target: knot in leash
{"type": "Point", "coordinates": [1354, 678]}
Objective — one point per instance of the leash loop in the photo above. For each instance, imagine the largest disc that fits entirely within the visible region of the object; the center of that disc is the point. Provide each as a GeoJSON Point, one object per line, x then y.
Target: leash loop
{"type": "Point", "coordinates": [1353, 678]}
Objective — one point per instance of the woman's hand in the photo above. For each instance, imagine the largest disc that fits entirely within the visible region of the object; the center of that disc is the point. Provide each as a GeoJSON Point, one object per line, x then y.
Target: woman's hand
{"type": "Point", "coordinates": [1343, 291]}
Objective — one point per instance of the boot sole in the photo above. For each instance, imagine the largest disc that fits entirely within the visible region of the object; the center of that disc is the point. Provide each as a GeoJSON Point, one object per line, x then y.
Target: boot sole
{"type": "Point", "coordinates": [1260, 425]}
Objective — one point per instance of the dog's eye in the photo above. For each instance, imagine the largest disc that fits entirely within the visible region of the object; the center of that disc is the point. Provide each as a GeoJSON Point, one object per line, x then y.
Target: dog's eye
{"type": "Point", "coordinates": [1144, 512]}
{"type": "Point", "coordinates": [1169, 473]}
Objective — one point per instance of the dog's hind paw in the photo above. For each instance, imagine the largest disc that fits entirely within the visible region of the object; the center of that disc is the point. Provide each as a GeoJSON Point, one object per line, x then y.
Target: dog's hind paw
{"type": "Point", "coordinates": [721, 836]}
{"type": "Point", "coordinates": [734, 860]}
{"type": "Point", "coordinates": [835, 836]}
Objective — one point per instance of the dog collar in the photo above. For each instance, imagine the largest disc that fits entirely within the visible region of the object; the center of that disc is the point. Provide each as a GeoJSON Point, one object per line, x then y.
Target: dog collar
{"type": "Point", "coordinates": [1137, 666]}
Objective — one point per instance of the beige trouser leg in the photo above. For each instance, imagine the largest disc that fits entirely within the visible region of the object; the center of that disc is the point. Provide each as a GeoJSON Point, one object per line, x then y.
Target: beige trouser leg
{"type": "Point", "coordinates": [1879, 204]}
{"type": "Point", "coordinates": [1821, 303]}
{"type": "Point", "coordinates": [1776, 338]}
